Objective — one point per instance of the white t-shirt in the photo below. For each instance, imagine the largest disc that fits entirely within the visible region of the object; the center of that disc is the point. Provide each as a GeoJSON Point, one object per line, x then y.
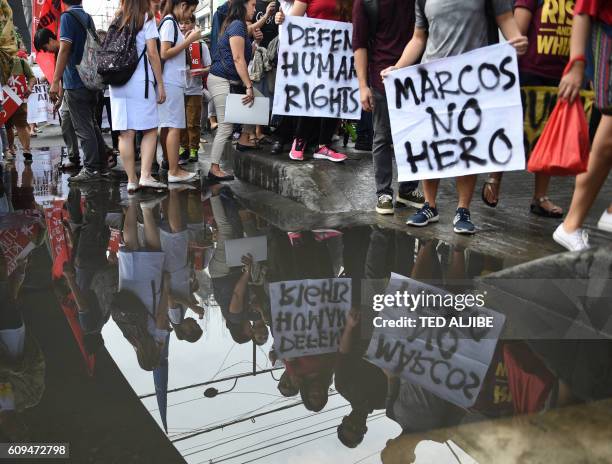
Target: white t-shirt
{"type": "Point", "coordinates": [174, 68]}
{"type": "Point", "coordinates": [148, 32]}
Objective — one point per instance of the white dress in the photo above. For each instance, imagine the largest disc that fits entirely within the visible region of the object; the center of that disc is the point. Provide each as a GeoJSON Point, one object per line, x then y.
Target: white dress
{"type": "Point", "coordinates": [129, 107]}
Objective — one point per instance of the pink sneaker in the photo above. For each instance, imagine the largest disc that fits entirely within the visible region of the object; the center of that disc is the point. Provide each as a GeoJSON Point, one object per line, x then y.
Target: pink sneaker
{"type": "Point", "coordinates": [297, 150]}
{"type": "Point", "coordinates": [295, 238]}
{"type": "Point", "coordinates": [329, 154]}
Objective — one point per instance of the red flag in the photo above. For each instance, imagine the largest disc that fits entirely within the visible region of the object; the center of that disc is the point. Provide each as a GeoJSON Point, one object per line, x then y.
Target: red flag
{"type": "Point", "coordinates": [46, 15]}
{"type": "Point", "coordinates": [10, 103]}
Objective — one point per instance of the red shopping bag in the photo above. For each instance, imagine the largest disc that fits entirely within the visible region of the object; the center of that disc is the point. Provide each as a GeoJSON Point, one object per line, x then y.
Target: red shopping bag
{"type": "Point", "coordinates": [563, 147]}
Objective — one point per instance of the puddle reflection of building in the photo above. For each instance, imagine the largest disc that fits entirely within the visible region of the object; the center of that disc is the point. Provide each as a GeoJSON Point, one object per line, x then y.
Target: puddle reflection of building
{"type": "Point", "coordinates": [41, 175]}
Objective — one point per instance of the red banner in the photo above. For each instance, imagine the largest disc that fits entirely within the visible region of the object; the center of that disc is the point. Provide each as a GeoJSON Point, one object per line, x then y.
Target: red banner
{"type": "Point", "coordinates": [60, 252]}
{"type": "Point", "coordinates": [18, 84]}
{"type": "Point", "coordinates": [195, 52]}
{"type": "Point", "coordinates": [46, 15]}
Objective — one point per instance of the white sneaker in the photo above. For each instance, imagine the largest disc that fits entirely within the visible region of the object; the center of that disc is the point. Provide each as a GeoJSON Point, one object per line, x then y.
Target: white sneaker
{"type": "Point", "coordinates": [131, 188]}
{"type": "Point", "coordinates": [576, 241]}
{"type": "Point", "coordinates": [605, 221]}
{"type": "Point", "coordinates": [174, 179]}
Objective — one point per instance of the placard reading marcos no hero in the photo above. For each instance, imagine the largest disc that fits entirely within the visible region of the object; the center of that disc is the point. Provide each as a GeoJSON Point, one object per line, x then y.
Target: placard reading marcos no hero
{"type": "Point", "coordinates": [457, 116]}
{"type": "Point", "coordinates": [316, 70]}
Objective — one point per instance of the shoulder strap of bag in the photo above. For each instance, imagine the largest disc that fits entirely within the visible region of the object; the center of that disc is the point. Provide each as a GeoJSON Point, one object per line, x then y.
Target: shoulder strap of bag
{"type": "Point", "coordinates": [175, 26]}
{"type": "Point", "coordinates": [86, 28]}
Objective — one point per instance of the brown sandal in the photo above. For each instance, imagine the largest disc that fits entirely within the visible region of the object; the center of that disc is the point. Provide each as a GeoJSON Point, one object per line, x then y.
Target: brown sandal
{"type": "Point", "coordinates": [536, 208]}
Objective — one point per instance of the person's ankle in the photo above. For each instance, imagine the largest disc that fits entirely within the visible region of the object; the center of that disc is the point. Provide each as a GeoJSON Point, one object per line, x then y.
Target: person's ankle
{"type": "Point", "coordinates": [570, 228]}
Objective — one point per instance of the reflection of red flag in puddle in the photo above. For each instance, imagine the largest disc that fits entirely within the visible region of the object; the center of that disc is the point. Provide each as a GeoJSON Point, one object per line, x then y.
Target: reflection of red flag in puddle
{"type": "Point", "coordinates": [72, 315]}
{"type": "Point", "coordinates": [57, 238]}
{"type": "Point", "coordinates": [46, 15]}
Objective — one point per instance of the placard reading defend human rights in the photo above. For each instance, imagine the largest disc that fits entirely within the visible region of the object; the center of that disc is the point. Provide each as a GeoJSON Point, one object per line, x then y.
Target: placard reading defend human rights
{"type": "Point", "coordinates": [308, 316]}
{"type": "Point", "coordinates": [316, 70]}
{"type": "Point", "coordinates": [457, 116]}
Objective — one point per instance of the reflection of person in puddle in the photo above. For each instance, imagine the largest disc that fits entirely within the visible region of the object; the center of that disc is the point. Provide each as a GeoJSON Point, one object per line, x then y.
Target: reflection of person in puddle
{"type": "Point", "coordinates": [244, 319]}
{"type": "Point", "coordinates": [174, 239]}
{"type": "Point", "coordinates": [240, 306]}
{"type": "Point", "coordinates": [22, 366]}
{"type": "Point", "coordinates": [361, 383]}
{"type": "Point", "coordinates": [140, 308]}
{"type": "Point", "coordinates": [89, 236]}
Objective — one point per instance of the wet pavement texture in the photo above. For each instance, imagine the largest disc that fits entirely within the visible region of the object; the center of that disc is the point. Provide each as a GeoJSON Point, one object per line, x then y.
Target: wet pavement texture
{"type": "Point", "coordinates": [128, 332]}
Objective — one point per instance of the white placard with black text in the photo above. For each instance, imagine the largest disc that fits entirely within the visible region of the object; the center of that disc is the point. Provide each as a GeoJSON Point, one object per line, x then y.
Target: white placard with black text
{"type": "Point", "coordinates": [457, 116]}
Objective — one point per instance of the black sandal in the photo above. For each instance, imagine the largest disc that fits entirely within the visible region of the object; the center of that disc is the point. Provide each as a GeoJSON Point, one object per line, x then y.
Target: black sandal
{"type": "Point", "coordinates": [490, 182]}
{"type": "Point", "coordinates": [537, 209]}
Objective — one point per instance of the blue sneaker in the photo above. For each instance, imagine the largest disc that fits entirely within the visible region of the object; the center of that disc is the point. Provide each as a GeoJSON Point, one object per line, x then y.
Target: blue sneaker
{"type": "Point", "coordinates": [423, 216]}
{"type": "Point", "coordinates": [463, 223]}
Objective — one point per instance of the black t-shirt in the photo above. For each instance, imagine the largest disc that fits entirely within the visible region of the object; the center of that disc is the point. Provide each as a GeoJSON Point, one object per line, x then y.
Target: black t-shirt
{"type": "Point", "coordinates": [269, 29]}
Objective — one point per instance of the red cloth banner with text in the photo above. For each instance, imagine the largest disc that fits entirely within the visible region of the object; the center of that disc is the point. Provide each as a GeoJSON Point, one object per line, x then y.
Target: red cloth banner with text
{"type": "Point", "coordinates": [10, 103]}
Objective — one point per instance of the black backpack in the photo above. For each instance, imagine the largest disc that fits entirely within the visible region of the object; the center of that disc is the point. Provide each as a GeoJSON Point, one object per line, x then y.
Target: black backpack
{"type": "Point", "coordinates": [118, 56]}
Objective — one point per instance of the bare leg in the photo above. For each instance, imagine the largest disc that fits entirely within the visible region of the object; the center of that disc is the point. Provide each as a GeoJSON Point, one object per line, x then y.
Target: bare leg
{"type": "Point", "coordinates": [24, 137]}
{"type": "Point", "coordinates": [465, 189]}
{"type": "Point", "coordinates": [163, 137]}
{"type": "Point", "coordinates": [126, 151]}
{"type": "Point", "coordinates": [130, 227]}
{"type": "Point", "coordinates": [151, 231]}
{"type": "Point", "coordinates": [589, 183]}
{"type": "Point", "coordinates": [175, 219]}
{"type": "Point", "coordinates": [172, 148]}
{"type": "Point", "coordinates": [148, 146]}
{"type": "Point", "coordinates": [430, 190]}
{"type": "Point", "coordinates": [540, 190]}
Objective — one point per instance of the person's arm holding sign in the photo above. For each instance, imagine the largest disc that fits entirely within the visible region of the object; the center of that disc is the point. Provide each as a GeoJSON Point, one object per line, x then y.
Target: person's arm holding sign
{"type": "Point", "coordinates": [571, 82]}
{"type": "Point", "coordinates": [237, 44]}
{"type": "Point", "coordinates": [511, 32]}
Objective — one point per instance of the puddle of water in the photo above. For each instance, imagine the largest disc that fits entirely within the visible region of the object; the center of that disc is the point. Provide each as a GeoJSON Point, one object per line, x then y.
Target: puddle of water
{"type": "Point", "coordinates": [127, 269]}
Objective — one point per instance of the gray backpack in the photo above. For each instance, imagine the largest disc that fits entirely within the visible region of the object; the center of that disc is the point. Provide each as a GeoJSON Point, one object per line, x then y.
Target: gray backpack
{"type": "Point", "coordinates": [88, 67]}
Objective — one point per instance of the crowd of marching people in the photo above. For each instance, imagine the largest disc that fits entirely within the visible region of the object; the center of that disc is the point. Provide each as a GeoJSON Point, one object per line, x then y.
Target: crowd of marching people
{"type": "Point", "coordinates": [156, 96]}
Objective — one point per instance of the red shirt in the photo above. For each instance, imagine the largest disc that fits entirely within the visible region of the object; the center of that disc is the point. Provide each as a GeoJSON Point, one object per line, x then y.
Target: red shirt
{"type": "Point", "coordinates": [394, 30]}
{"type": "Point", "coordinates": [549, 38]}
{"type": "Point", "coordinates": [598, 9]}
{"type": "Point", "coordinates": [322, 9]}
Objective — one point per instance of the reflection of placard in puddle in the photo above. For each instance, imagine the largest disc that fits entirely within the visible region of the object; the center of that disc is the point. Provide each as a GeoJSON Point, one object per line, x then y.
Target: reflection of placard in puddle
{"type": "Point", "coordinates": [447, 361]}
{"type": "Point", "coordinates": [308, 316]}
